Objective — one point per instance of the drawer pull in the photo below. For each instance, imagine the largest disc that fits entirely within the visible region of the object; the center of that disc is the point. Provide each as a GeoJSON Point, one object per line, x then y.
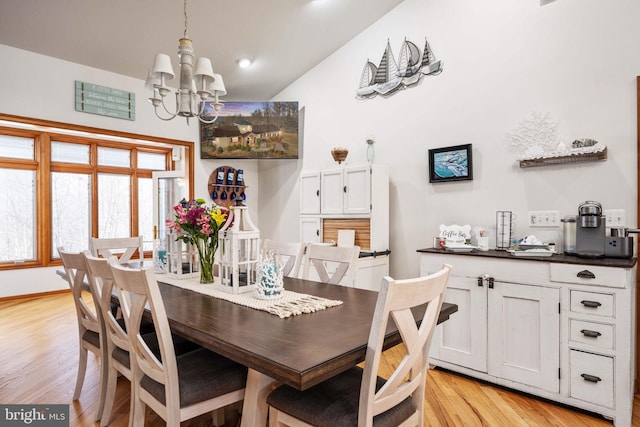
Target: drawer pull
{"type": "Point", "coordinates": [586, 274]}
{"type": "Point", "coordinates": [480, 280]}
{"type": "Point", "coordinates": [592, 304]}
{"type": "Point", "coordinates": [589, 333]}
{"type": "Point", "coordinates": [591, 378]}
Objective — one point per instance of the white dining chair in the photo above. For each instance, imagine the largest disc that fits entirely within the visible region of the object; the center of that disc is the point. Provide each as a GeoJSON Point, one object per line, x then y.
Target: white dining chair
{"type": "Point", "coordinates": [124, 248]}
{"type": "Point", "coordinates": [90, 324]}
{"type": "Point", "coordinates": [358, 396]}
{"type": "Point", "coordinates": [175, 388]}
{"type": "Point", "coordinates": [116, 340]}
{"type": "Point", "coordinates": [331, 264]}
{"type": "Point", "coordinates": [290, 252]}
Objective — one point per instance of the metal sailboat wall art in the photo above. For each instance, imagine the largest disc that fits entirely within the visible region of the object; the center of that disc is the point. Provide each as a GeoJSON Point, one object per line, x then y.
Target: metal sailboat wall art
{"type": "Point", "coordinates": [390, 76]}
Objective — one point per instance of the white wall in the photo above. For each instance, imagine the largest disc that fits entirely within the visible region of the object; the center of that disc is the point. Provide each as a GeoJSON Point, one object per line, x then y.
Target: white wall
{"type": "Point", "coordinates": [42, 87]}
{"type": "Point", "coordinates": [574, 59]}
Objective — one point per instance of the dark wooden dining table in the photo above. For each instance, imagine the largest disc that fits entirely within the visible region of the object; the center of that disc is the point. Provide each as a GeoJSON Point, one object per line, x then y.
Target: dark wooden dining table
{"type": "Point", "coordinates": [300, 351]}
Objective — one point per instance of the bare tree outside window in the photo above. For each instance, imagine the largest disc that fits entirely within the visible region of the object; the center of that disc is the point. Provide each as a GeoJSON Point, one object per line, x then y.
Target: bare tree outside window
{"type": "Point", "coordinates": [114, 205]}
{"type": "Point", "coordinates": [70, 211]}
{"type": "Point", "coordinates": [17, 210]}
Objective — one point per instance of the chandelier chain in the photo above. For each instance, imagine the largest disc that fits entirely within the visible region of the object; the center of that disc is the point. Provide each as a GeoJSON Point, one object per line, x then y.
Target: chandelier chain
{"type": "Point", "coordinates": [186, 35]}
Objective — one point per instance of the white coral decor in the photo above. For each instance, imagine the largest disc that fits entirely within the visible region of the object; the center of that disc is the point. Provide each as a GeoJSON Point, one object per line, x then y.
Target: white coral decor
{"type": "Point", "coordinates": [269, 283]}
{"type": "Point", "coordinates": [535, 134]}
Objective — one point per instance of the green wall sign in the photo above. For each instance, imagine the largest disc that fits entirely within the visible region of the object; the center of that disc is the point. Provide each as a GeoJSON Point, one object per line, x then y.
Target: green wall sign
{"type": "Point", "coordinates": [105, 101]}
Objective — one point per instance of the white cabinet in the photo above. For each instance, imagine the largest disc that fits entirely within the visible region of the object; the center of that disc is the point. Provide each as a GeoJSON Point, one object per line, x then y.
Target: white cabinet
{"type": "Point", "coordinates": [462, 339]}
{"type": "Point", "coordinates": [503, 329]}
{"type": "Point", "coordinates": [346, 190]}
{"type": "Point", "coordinates": [310, 229]}
{"type": "Point", "coordinates": [523, 340]}
{"type": "Point", "coordinates": [310, 193]}
{"type": "Point", "coordinates": [560, 328]}
{"type": "Point", "coordinates": [349, 197]}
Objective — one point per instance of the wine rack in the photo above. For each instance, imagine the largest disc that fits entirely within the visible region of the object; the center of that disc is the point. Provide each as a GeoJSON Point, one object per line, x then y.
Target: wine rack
{"type": "Point", "coordinates": [226, 185]}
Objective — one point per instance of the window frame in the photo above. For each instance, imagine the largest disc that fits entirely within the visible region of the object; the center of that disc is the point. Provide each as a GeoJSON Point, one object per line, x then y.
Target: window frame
{"type": "Point", "coordinates": [43, 133]}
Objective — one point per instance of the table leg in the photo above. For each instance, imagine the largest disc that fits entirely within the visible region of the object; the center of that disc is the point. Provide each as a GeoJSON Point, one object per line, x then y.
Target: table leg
{"type": "Point", "coordinates": [254, 408]}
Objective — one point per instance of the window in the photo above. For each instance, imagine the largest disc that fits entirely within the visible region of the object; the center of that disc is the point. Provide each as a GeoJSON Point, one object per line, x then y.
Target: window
{"type": "Point", "coordinates": [62, 189]}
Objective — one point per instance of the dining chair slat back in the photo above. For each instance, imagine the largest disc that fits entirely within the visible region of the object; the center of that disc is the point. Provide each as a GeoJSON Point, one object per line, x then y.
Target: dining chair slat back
{"type": "Point", "coordinates": [90, 322]}
{"type": "Point", "coordinates": [357, 396]}
{"type": "Point", "coordinates": [321, 257]}
{"type": "Point", "coordinates": [291, 254]}
{"type": "Point", "coordinates": [207, 381]}
{"type": "Point", "coordinates": [123, 248]}
{"type": "Point", "coordinates": [101, 282]}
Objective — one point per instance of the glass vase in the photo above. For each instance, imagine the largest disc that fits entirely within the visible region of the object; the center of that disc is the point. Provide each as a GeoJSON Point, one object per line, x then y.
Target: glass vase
{"type": "Point", "coordinates": [206, 253]}
{"type": "Point", "coordinates": [370, 150]}
{"type": "Point", "coordinates": [206, 270]}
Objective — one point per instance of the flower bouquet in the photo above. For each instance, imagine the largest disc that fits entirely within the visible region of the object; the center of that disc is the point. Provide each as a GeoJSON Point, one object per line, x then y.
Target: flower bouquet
{"type": "Point", "coordinates": [198, 225]}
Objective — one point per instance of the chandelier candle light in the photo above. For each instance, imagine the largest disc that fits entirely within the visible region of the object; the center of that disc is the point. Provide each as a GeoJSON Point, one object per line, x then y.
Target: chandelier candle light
{"type": "Point", "coordinates": [196, 86]}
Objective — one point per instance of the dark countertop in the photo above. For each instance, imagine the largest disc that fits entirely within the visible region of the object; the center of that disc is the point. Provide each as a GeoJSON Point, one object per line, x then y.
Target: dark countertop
{"type": "Point", "coordinates": [559, 258]}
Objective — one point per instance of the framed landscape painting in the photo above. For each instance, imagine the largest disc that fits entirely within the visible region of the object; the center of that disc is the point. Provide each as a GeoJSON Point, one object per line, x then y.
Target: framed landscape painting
{"type": "Point", "coordinates": [251, 130]}
{"type": "Point", "coordinates": [451, 164]}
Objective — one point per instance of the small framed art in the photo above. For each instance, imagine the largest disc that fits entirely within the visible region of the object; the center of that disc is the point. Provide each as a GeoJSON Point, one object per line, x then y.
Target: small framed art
{"type": "Point", "coordinates": [451, 164]}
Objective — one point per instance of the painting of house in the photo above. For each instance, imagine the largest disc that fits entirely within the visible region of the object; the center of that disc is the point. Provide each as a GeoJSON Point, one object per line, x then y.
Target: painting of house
{"type": "Point", "coordinates": [247, 130]}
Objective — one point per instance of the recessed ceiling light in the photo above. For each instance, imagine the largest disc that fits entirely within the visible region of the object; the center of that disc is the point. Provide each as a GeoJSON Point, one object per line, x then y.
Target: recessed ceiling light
{"type": "Point", "coordinates": [244, 62]}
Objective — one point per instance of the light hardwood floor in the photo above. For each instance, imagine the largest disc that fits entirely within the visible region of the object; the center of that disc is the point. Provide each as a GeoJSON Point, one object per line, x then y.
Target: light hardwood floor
{"type": "Point", "coordinates": [38, 365]}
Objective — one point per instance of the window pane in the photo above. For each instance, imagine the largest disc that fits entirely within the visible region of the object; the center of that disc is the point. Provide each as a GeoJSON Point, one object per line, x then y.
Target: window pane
{"type": "Point", "coordinates": [114, 207]}
{"type": "Point", "coordinates": [114, 157]}
{"type": "Point", "coordinates": [153, 161]}
{"type": "Point", "coordinates": [70, 211]}
{"type": "Point", "coordinates": [16, 147]}
{"type": "Point", "coordinates": [17, 210]}
{"type": "Point", "coordinates": [145, 211]}
{"type": "Point", "coordinates": [69, 153]}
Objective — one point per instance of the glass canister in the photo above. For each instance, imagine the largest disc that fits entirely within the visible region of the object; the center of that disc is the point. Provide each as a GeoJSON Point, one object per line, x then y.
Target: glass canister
{"type": "Point", "coordinates": [569, 235]}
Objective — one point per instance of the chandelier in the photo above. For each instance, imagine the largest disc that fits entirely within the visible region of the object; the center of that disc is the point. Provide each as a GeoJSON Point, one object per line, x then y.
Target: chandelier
{"type": "Point", "coordinates": [197, 85]}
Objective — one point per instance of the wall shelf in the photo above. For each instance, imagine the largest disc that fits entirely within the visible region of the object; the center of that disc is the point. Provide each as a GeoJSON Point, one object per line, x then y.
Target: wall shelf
{"type": "Point", "coordinates": [563, 160]}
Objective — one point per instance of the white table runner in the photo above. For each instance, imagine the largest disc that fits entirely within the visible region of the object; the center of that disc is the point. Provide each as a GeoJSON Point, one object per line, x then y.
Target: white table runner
{"type": "Point", "coordinates": [290, 304]}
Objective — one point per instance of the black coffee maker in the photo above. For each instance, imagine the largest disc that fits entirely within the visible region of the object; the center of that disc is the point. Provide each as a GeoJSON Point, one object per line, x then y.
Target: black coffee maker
{"type": "Point", "coordinates": [590, 230]}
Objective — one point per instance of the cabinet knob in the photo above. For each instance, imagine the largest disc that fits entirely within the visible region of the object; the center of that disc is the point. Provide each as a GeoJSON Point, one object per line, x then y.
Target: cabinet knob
{"type": "Point", "coordinates": [591, 378]}
{"type": "Point", "coordinates": [480, 281]}
{"type": "Point", "coordinates": [590, 304]}
{"type": "Point", "coordinates": [589, 333]}
{"type": "Point", "coordinates": [317, 232]}
{"type": "Point", "coordinates": [490, 280]}
{"type": "Point", "coordinates": [344, 189]}
{"type": "Point", "coordinates": [318, 193]}
{"type": "Point", "coordinates": [586, 274]}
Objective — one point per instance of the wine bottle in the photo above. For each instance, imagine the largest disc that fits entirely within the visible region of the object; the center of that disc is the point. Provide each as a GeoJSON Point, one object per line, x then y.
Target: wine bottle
{"type": "Point", "coordinates": [220, 176]}
{"type": "Point", "coordinates": [230, 175]}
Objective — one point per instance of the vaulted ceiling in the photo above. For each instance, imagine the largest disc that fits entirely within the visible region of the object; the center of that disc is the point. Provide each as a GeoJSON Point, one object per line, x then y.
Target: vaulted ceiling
{"type": "Point", "coordinates": [284, 38]}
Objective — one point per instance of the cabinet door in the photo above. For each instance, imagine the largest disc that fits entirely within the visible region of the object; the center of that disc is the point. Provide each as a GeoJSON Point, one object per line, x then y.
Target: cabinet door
{"type": "Point", "coordinates": [357, 190]}
{"type": "Point", "coordinates": [524, 337]}
{"type": "Point", "coordinates": [310, 230]}
{"type": "Point", "coordinates": [331, 190]}
{"type": "Point", "coordinates": [462, 340]}
{"type": "Point", "coordinates": [310, 193]}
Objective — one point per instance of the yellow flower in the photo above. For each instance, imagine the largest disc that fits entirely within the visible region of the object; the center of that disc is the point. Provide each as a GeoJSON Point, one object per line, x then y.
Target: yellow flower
{"type": "Point", "coordinates": [219, 216]}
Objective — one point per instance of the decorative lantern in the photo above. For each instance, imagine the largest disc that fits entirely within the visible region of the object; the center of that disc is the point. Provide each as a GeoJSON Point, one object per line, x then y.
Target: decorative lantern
{"type": "Point", "coordinates": [239, 251]}
{"type": "Point", "coordinates": [182, 258]}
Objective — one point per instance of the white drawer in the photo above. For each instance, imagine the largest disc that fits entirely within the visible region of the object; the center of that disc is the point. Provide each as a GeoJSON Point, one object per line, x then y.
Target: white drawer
{"type": "Point", "coordinates": [588, 275]}
{"type": "Point", "coordinates": [592, 378]}
{"type": "Point", "coordinates": [596, 334]}
{"type": "Point", "coordinates": [592, 303]}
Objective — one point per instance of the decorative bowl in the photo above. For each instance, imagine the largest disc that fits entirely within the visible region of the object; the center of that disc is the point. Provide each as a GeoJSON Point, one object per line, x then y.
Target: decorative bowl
{"type": "Point", "coordinates": [339, 154]}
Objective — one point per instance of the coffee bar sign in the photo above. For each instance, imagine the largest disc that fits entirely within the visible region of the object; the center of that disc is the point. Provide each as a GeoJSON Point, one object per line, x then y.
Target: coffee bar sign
{"type": "Point", "coordinates": [105, 101]}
